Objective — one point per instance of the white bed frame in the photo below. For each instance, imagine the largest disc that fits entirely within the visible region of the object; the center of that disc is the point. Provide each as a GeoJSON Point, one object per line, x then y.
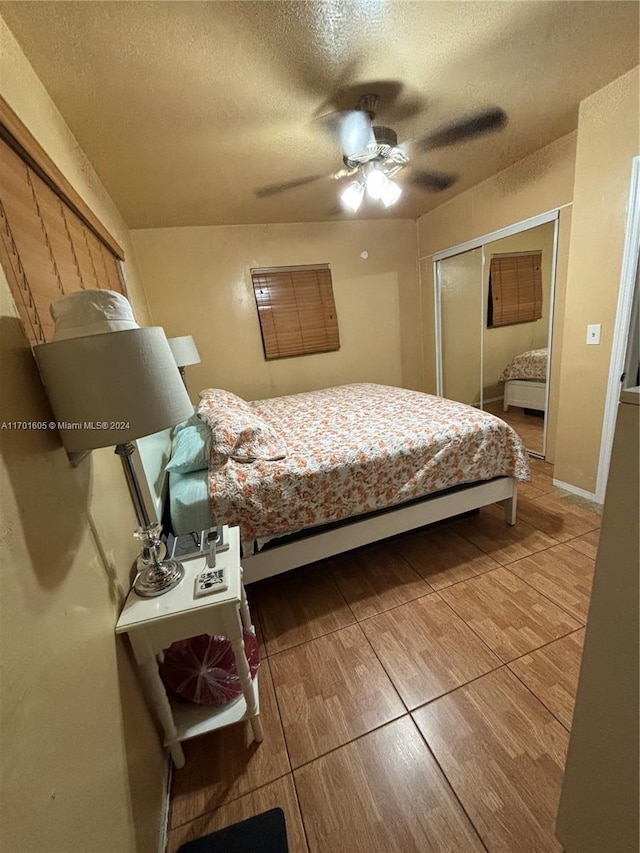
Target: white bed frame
{"type": "Point", "coordinates": [153, 454]}
{"type": "Point", "coordinates": [525, 393]}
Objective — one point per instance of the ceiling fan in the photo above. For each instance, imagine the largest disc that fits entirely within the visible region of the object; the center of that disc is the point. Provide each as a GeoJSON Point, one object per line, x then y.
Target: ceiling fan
{"type": "Point", "coordinates": [373, 158]}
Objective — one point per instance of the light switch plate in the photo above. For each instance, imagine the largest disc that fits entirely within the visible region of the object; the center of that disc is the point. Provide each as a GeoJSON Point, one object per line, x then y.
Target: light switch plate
{"type": "Point", "coordinates": [593, 333]}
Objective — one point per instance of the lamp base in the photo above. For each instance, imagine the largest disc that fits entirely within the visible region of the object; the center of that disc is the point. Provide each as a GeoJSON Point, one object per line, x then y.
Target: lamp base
{"type": "Point", "coordinates": [156, 579]}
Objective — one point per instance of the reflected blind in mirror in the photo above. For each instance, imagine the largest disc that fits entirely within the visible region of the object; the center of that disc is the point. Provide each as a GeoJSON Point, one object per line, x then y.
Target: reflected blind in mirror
{"type": "Point", "coordinates": [515, 289]}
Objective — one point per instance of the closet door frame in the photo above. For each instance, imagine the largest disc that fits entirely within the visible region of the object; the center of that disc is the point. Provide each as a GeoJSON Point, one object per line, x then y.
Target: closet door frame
{"type": "Point", "coordinates": [552, 215]}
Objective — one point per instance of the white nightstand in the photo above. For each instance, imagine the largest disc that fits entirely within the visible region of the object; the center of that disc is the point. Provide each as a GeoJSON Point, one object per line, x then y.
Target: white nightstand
{"type": "Point", "coordinates": [154, 623]}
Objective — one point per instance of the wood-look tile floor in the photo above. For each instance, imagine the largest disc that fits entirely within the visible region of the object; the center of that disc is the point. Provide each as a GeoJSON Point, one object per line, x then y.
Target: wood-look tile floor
{"type": "Point", "coordinates": [416, 695]}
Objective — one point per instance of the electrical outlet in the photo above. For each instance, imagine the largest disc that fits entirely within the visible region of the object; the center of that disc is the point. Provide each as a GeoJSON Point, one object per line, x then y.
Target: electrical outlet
{"type": "Point", "coordinates": [593, 333]}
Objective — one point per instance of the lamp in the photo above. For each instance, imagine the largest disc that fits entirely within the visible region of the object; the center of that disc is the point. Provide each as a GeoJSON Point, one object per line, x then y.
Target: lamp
{"type": "Point", "coordinates": [378, 185]}
{"type": "Point", "coordinates": [185, 352]}
{"type": "Point", "coordinates": [391, 192]}
{"type": "Point", "coordinates": [352, 196]}
{"type": "Point", "coordinates": [376, 182]}
{"type": "Point", "coordinates": [111, 387]}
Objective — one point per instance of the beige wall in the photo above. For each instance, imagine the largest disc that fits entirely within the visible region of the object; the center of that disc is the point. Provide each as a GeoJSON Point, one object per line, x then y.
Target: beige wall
{"type": "Point", "coordinates": [607, 143]}
{"type": "Point", "coordinates": [198, 282]}
{"type": "Point", "coordinates": [81, 764]}
{"type": "Point", "coordinates": [540, 182]}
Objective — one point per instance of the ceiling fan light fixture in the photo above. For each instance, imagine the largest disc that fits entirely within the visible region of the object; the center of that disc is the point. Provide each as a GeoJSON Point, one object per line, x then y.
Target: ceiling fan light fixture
{"type": "Point", "coordinates": [352, 197]}
{"type": "Point", "coordinates": [391, 193]}
{"type": "Point", "coordinates": [376, 184]}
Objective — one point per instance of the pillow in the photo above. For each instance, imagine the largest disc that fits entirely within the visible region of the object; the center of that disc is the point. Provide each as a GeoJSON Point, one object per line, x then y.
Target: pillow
{"type": "Point", "coordinates": [218, 398]}
{"type": "Point", "coordinates": [190, 449]}
{"type": "Point", "coordinates": [194, 420]}
{"type": "Point", "coordinates": [237, 432]}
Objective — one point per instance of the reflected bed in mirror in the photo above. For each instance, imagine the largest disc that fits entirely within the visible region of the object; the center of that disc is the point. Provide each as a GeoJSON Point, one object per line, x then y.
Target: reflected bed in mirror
{"type": "Point", "coordinates": [525, 394]}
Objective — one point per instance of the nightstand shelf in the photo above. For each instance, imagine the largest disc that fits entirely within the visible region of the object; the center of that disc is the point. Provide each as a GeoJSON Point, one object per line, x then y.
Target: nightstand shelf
{"type": "Point", "coordinates": [194, 720]}
{"type": "Point", "coordinates": [153, 624]}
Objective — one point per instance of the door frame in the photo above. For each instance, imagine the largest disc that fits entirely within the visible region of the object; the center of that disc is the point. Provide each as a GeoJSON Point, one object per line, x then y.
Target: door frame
{"type": "Point", "coordinates": [628, 273]}
{"type": "Point", "coordinates": [552, 215]}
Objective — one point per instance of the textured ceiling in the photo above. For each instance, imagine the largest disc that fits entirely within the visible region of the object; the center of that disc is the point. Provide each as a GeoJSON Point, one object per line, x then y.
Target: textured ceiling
{"type": "Point", "coordinates": [187, 108]}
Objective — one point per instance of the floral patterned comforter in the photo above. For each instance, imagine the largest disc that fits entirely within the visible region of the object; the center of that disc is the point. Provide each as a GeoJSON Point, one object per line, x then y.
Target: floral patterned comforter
{"type": "Point", "coordinates": [354, 449]}
{"type": "Point", "coordinates": [527, 365]}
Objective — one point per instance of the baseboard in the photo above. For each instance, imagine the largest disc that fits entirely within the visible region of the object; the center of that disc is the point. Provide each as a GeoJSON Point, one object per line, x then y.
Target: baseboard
{"type": "Point", "coordinates": [164, 814]}
{"type": "Point", "coordinates": [582, 493]}
{"type": "Point", "coordinates": [492, 399]}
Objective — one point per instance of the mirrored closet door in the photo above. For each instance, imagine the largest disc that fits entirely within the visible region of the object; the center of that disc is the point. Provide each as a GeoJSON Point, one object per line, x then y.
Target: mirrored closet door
{"type": "Point", "coordinates": [495, 309]}
{"type": "Point", "coordinates": [460, 280]}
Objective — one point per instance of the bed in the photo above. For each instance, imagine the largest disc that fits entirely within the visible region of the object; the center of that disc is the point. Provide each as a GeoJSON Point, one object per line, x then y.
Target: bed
{"type": "Point", "coordinates": [311, 475]}
{"type": "Point", "coordinates": [525, 380]}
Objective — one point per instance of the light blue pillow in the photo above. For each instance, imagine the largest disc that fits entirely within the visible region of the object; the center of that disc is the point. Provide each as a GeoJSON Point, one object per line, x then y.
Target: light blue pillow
{"type": "Point", "coordinates": [194, 420]}
{"type": "Point", "coordinates": [190, 449]}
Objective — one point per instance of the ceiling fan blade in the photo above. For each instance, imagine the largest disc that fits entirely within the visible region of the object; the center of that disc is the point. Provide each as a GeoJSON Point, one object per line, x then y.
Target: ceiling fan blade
{"type": "Point", "coordinates": [396, 103]}
{"type": "Point", "coordinates": [434, 182]}
{"type": "Point", "coordinates": [352, 128]}
{"type": "Point", "coordinates": [274, 189]}
{"type": "Point", "coordinates": [336, 210]}
{"type": "Point", "coordinates": [355, 133]}
{"type": "Point", "coordinates": [477, 124]}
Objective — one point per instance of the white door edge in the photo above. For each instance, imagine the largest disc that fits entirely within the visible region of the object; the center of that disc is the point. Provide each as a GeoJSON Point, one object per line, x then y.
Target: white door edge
{"type": "Point", "coordinates": [621, 328]}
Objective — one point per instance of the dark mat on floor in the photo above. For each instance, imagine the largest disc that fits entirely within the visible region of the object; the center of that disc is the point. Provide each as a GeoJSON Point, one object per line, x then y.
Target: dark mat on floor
{"type": "Point", "coordinates": [264, 833]}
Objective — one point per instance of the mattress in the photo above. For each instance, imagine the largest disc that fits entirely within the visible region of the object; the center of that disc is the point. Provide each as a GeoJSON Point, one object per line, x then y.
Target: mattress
{"type": "Point", "coordinates": [189, 502]}
{"type": "Point", "coordinates": [528, 365]}
{"type": "Point", "coordinates": [356, 449]}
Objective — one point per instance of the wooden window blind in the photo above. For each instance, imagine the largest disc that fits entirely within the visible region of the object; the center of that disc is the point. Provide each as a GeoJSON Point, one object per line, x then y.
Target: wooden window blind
{"type": "Point", "coordinates": [515, 289]}
{"type": "Point", "coordinates": [296, 310]}
{"type": "Point", "coordinates": [46, 249]}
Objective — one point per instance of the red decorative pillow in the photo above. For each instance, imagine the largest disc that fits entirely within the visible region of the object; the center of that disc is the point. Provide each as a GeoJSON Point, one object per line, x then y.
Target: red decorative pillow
{"type": "Point", "coordinates": [203, 669]}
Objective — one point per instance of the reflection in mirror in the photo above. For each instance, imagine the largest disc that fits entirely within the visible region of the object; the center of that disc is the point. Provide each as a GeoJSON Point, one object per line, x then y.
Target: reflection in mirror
{"type": "Point", "coordinates": [517, 300]}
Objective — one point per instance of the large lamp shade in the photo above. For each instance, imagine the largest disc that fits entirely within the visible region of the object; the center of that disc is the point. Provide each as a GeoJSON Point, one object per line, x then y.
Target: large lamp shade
{"type": "Point", "coordinates": [184, 350]}
{"type": "Point", "coordinates": [108, 389]}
